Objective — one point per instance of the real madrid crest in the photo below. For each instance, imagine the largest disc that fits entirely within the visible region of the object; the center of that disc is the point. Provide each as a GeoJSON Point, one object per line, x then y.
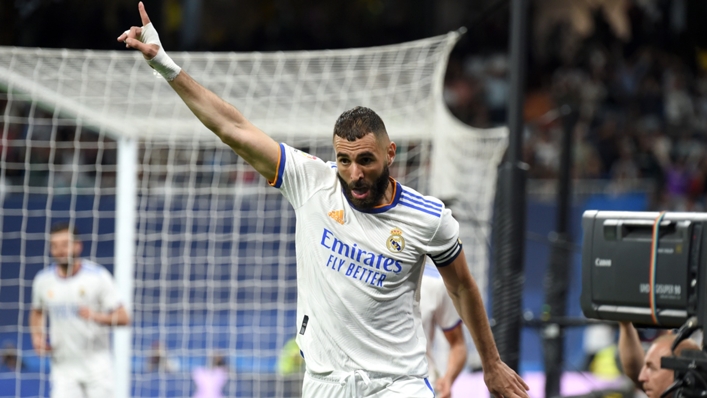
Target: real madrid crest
{"type": "Point", "coordinates": [395, 242]}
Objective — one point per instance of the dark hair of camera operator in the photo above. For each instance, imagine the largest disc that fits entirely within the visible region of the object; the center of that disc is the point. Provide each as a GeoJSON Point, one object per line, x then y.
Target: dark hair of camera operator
{"type": "Point", "coordinates": [644, 368]}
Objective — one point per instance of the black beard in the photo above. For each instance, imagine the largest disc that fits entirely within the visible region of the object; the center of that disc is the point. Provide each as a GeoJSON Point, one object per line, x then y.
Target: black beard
{"type": "Point", "coordinates": [65, 263]}
{"type": "Point", "coordinates": [64, 267]}
{"type": "Point", "coordinates": [376, 191]}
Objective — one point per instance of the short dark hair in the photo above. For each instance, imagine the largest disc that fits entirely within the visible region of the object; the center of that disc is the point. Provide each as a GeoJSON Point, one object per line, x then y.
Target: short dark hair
{"type": "Point", "coordinates": [357, 122]}
{"type": "Point", "coordinates": [64, 226]}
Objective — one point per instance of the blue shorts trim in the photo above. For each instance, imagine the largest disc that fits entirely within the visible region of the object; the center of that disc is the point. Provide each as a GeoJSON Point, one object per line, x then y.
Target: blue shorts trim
{"type": "Point", "coordinates": [430, 387]}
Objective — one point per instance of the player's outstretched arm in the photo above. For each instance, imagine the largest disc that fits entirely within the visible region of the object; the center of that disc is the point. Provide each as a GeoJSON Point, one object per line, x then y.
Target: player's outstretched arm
{"type": "Point", "coordinates": [36, 327]}
{"type": "Point", "coordinates": [631, 352]}
{"type": "Point", "coordinates": [501, 380]}
{"type": "Point", "coordinates": [249, 142]}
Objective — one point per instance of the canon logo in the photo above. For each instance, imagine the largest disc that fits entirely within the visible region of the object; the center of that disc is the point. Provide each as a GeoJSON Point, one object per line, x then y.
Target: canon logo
{"type": "Point", "coordinates": [602, 262]}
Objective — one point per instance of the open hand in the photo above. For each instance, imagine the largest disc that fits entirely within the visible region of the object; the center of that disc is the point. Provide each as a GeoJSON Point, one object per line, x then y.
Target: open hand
{"type": "Point", "coordinates": [135, 38]}
{"type": "Point", "coordinates": [86, 313]}
{"type": "Point", "coordinates": [503, 382]}
{"type": "Point", "coordinates": [443, 388]}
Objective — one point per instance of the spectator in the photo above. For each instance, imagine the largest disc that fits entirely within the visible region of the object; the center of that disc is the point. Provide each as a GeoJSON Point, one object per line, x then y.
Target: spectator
{"type": "Point", "coordinates": [159, 360]}
{"type": "Point", "coordinates": [10, 359]}
{"type": "Point", "coordinates": [210, 380]}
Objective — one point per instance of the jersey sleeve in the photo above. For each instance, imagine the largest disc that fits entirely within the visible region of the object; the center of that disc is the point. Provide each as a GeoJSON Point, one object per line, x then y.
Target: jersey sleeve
{"type": "Point", "coordinates": [37, 302]}
{"type": "Point", "coordinates": [300, 175]}
{"type": "Point", "coordinates": [445, 315]}
{"type": "Point", "coordinates": [110, 299]}
{"type": "Point", "coordinates": [445, 246]}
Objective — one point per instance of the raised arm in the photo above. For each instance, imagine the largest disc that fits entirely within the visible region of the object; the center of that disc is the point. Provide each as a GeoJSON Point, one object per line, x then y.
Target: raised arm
{"type": "Point", "coordinates": [501, 380]}
{"type": "Point", "coordinates": [631, 352]}
{"type": "Point", "coordinates": [249, 142]}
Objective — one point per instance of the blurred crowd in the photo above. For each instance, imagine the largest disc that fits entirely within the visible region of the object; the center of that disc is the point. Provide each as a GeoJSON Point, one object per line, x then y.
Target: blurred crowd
{"type": "Point", "coordinates": [633, 98]}
{"type": "Point", "coordinates": [626, 78]}
{"type": "Point", "coordinates": [38, 149]}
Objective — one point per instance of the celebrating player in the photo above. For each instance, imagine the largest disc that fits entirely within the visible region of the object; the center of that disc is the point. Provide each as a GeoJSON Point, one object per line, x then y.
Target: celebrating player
{"type": "Point", "coordinates": [361, 240]}
{"type": "Point", "coordinates": [82, 301]}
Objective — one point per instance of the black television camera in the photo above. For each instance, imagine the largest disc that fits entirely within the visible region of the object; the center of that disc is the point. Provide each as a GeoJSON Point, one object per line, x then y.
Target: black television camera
{"type": "Point", "coordinates": [649, 268]}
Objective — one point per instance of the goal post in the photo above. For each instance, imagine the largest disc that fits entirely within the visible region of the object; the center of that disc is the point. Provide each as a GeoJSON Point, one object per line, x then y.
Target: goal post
{"type": "Point", "coordinates": [201, 248]}
{"type": "Point", "coordinates": [124, 271]}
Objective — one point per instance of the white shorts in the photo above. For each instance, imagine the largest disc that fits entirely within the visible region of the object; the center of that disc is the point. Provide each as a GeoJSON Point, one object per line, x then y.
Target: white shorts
{"type": "Point", "coordinates": [355, 385]}
{"type": "Point", "coordinates": [89, 378]}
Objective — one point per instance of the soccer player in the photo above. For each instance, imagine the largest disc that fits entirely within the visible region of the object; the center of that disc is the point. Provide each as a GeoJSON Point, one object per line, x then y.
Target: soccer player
{"type": "Point", "coordinates": [82, 302]}
{"type": "Point", "coordinates": [438, 311]}
{"type": "Point", "coordinates": [361, 241]}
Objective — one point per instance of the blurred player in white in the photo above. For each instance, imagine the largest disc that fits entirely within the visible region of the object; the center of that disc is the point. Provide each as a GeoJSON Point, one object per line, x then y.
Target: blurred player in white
{"type": "Point", "coordinates": [438, 312]}
{"type": "Point", "coordinates": [82, 302]}
{"type": "Point", "coordinates": [361, 241]}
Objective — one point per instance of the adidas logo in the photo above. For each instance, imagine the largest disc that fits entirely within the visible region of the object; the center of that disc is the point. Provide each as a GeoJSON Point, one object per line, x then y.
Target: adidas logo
{"type": "Point", "coordinates": [337, 215]}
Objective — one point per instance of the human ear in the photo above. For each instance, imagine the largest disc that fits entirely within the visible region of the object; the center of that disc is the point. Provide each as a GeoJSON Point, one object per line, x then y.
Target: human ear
{"type": "Point", "coordinates": [391, 153]}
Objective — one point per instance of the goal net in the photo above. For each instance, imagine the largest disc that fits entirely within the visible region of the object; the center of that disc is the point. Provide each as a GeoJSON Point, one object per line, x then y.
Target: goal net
{"type": "Point", "coordinates": [201, 247]}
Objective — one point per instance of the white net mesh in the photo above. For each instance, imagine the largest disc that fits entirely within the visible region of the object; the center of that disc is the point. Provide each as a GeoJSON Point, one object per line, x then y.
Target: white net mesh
{"type": "Point", "coordinates": [215, 267]}
{"type": "Point", "coordinates": [51, 169]}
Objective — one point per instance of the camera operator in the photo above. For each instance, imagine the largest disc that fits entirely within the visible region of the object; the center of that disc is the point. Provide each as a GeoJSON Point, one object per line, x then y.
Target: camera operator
{"type": "Point", "coordinates": [644, 368]}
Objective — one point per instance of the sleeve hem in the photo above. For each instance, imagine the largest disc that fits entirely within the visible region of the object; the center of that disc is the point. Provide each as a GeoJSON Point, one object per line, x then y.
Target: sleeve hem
{"type": "Point", "coordinates": [457, 323]}
{"type": "Point", "coordinates": [448, 256]}
{"type": "Point", "coordinates": [277, 181]}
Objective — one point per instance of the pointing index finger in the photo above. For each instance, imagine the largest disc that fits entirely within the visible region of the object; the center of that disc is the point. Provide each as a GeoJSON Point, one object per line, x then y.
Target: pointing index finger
{"type": "Point", "coordinates": [143, 14]}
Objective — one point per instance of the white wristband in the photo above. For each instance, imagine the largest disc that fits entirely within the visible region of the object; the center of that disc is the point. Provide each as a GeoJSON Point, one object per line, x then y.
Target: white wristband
{"type": "Point", "coordinates": [164, 65]}
{"type": "Point", "coordinates": [161, 63]}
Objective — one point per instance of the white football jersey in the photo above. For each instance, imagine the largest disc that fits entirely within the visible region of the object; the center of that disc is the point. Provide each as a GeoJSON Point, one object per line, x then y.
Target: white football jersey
{"type": "Point", "coordinates": [70, 336]}
{"type": "Point", "coordinates": [359, 272]}
{"type": "Point", "coordinates": [438, 311]}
